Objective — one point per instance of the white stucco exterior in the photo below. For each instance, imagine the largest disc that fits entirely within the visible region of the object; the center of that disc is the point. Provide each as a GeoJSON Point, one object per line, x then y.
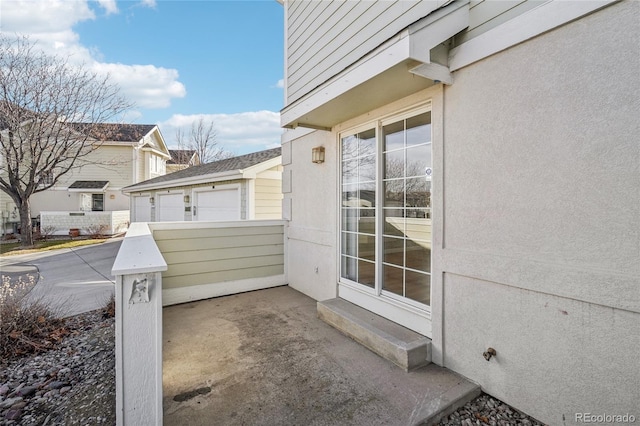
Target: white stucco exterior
{"type": "Point", "coordinates": [536, 208]}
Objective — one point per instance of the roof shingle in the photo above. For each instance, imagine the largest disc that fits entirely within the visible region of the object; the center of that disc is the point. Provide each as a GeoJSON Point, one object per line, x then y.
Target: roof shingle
{"type": "Point", "coordinates": [235, 163]}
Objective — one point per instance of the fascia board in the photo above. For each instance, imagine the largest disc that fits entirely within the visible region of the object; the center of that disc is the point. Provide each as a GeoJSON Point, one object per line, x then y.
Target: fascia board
{"type": "Point", "coordinates": [543, 18]}
{"type": "Point", "coordinates": [411, 43]}
{"type": "Point", "coordinates": [193, 180]}
{"type": "Point", "coordinates": [439, 26]}
{"type": "Point", "coordinates": [390, 54]}
{"type": "Point", "coordinates": [155, 151]}
{"type": "Point", "coordinates": [251, 172]}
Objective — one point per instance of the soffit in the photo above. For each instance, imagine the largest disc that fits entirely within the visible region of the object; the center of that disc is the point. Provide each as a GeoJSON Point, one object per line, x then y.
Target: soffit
{"type": "Point", "coordinates": [398, 68]}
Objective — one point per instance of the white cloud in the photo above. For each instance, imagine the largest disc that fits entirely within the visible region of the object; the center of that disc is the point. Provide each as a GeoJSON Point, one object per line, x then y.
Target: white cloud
{"type": "Point", "coordinates": [46, 17]}
{"type": "Point", "coordinates": [240, 133]}
{"type": "Point", "coordinates": [149, 86]}
{"type": "Point", "coordinates": [109, 6]}
{"type": "Point", "coordinates": [50, 23]}
{"type": "Point", "coordinates": [280, 83]}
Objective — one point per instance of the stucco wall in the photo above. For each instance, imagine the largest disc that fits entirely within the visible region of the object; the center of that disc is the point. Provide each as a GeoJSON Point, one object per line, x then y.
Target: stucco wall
{"type": "Point", "coordinates": [542, 220]}
{"type": "Point", "coordinates": [310, 189]}
{"type": "Point", "coordinates": [63, 200]}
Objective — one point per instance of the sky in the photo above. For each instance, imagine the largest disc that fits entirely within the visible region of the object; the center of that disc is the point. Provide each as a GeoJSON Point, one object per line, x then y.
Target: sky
{"type": "Point", "coordinates": [176, 61]}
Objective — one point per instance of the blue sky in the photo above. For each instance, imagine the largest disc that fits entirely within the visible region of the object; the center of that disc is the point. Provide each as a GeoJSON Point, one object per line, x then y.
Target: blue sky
{"type": "Point", "coordinates": [176, 60]}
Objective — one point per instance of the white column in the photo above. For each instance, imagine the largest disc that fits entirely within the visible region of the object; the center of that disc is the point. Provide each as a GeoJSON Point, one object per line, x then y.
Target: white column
{"type": "Point", "coordinates": [138, 268]}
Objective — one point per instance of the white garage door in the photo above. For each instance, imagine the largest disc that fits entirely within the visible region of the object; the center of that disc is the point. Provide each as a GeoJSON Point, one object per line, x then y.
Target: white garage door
{"type": "Point", "coordinates": [141, 209]}
{"type": "Point", "coordinates": [169, 207]}
{"type": "Point", "coordinates": [217, 204]}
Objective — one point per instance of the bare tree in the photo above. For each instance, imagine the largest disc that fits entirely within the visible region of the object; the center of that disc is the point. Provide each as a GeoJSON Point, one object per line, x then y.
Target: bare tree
{"type": "Point", "coordinates": [202, 139]}
{"type": "Point", "coordinates": [42, 97]}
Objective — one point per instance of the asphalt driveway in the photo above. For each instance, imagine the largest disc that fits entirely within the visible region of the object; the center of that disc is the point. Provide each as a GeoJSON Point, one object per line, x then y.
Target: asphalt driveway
{"type": "Point", "coordinates": [75, 280]}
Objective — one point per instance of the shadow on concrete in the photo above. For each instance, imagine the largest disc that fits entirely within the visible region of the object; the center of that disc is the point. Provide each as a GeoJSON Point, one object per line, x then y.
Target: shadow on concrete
{"type": "Point", "coordinates": [264, 358]}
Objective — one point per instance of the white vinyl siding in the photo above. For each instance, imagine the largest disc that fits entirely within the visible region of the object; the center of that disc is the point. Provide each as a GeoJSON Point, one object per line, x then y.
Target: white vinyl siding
{"type": "Point", "coordinates": [268, 199]}
{"type": "Point", "coordinates": [324, 37]}
{"type": "Point", "coordinates": [110, 163]}
{"type": "Point", "coordinates": [486, 14]}
{"type": "Point", "coordinates": [139, 160]}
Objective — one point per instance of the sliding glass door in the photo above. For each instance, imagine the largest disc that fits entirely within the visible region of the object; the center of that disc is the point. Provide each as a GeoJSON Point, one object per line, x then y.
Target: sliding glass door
{"type": "Point", "coordinates": [386, 210]}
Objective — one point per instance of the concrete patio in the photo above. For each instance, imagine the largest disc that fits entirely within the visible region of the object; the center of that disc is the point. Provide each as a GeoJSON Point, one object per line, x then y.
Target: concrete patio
{"type": "Point", "coordinates": [264, 358]}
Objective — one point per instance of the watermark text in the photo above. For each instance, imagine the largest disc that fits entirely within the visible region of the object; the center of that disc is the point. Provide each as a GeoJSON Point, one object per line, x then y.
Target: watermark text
{"type": "Point", "coordinates": [605, 418]}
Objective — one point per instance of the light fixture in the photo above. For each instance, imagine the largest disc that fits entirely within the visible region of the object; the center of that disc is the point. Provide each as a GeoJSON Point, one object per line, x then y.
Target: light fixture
{"type": "Point", "coordinates": [317, 154]}
{"type": "Point", "coordinates": [152, 200]}
{"type": "Point", "coordinates": [186, 199]}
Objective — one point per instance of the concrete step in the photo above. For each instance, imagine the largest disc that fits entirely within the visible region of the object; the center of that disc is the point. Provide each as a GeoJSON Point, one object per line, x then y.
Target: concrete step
{"type": "Point", "coordinates": [405, 348]}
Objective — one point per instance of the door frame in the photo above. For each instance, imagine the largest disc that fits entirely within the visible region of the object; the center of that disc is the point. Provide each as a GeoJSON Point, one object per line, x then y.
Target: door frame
{"type": "Point", "coordinates": [406, 314]}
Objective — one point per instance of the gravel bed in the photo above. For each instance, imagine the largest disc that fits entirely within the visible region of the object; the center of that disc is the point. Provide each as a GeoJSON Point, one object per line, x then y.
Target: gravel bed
{"type": "Point", "coordinates": [73, 384]}
{"type": "Point", "coordinates": [486, 410]}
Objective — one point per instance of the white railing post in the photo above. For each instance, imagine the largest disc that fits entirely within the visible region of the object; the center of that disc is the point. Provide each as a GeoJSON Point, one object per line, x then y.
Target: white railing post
{"type": "Point", "coordinates": [138, 268]}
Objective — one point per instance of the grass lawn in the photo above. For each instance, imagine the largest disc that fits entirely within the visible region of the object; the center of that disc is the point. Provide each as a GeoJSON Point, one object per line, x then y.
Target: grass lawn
{"type": "Point", "coordinates": [9, 249]}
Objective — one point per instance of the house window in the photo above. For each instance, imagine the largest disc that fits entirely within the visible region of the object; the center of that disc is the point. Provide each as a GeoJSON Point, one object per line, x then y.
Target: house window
{"type": "Point", "coordinates": [386, 208]}
{"type": "Point", "coordinates": [46, 178]}
{"type": "Point", "coordinates": [97, 202]}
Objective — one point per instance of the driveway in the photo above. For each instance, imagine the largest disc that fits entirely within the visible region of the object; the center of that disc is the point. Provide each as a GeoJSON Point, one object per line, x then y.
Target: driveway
{"type": "Point", "coordinates": [74, 280]}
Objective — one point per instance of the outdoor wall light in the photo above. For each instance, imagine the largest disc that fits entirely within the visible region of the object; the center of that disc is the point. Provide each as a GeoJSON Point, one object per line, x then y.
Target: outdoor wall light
{"type": "Point", "coordinates": [186, 199]}
{"type": "Point", "coordinates": [317, 154]}
{"type": "Point", "coordinates": [152, 200]}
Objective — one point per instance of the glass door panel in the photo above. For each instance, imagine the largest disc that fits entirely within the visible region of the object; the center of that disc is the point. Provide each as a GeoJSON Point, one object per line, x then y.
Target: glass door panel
{"type": "Point", "coordinates": [358, 211]}
{"type": "Point", "coordinates": [406, 241]}
{"type": "Point", "coordinates": [387, 247]}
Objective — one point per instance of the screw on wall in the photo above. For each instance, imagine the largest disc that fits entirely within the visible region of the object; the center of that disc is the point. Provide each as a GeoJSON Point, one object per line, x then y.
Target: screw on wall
{"type": "Point", "coordinates": [490, 352]}
{"type": "Point", "coordinates": [316, 269]}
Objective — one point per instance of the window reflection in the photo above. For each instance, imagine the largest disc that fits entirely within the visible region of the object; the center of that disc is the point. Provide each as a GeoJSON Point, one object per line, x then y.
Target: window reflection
{"type": "Point", "coordinates": [405, 239]}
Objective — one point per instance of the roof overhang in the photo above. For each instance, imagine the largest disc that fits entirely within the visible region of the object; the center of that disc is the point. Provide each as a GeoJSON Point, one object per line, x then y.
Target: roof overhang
{"type": "Point", "coordinates": [252, 172]}
{"type": "Point", "coordinates": [248, 173]}
{"type": "Point", "coordinates": [398, 68]}
{"type": "Point", "coordinates": [156, 151]}
{"type": "Point", "coordinates": [88, 186]}
{"type": "Point", "coordinates": [192, 180]}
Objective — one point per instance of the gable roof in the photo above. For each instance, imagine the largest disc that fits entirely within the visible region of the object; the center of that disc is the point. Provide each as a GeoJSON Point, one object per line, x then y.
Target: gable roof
{"type": "Point", "coordinates": [230, 168]}
{"type": "Point", "coordinates": [181, 156]}
{"type": "Point", "coordinates": [115, 132]}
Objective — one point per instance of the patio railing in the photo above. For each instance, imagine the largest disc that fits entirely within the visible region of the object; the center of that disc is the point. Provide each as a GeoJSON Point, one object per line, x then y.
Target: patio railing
{"type": "Point", "coordinates": [166, 263]}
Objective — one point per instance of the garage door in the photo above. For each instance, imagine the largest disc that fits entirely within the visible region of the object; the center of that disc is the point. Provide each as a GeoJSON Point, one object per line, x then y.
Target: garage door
{"type": "Point", "coordinates": [169, 207]}
{"type": "Point", "coordinates": [141, 209]}
{"type": "Point", "coordinates": [217, 204]}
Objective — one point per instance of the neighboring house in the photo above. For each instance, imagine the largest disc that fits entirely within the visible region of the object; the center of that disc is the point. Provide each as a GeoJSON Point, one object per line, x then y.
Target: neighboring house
{"type": "Point", "coordinates": [244, 187]}
{"type": "Point", "coordinates": [479, 185]}
{"type": "Point", "coordinates": [181, 159]}
{"type": "Point", "coordinates": [90, 196]}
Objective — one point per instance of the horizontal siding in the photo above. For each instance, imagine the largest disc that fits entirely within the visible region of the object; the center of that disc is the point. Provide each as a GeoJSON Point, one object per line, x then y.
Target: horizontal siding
{"type": "Point", "coordinates": [218, 254]}
{"type": "Point", "coordinates": [486, 14]}
{"type": "Point", "coordinates": [112, 163]}
{"type": "Point", "coordinates": [268, 199]}
{"type": "Point", "coordinates": [221, 276]}
{"type": "Point", "coordinates": [324, 38]}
